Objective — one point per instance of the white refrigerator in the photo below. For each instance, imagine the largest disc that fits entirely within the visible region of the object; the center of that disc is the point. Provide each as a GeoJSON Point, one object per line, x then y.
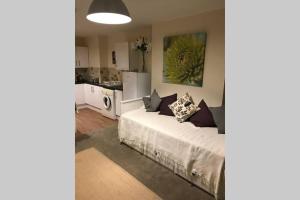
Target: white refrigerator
{"type": "Point", "coordinates": [135, 85]}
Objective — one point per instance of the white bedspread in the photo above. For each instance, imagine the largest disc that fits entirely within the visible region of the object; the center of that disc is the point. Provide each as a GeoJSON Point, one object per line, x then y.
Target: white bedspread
{"type": "Point", "coordinates": [195, 153]}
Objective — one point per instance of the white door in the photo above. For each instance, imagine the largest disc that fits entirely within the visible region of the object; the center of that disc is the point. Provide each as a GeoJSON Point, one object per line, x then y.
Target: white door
{"type": "Point", "coordinates": [82, 57]}
{"type": "Point", "coordinates": [79, 94]}
{"type": "Point", "coordinates": [122, 56]}
{"type": "Point", "coordinates": [119, 97]}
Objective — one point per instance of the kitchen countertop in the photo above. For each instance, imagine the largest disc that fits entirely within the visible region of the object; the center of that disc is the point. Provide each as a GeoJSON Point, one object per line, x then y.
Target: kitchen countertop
{"type": "Point", "coordinates": [113, 87]}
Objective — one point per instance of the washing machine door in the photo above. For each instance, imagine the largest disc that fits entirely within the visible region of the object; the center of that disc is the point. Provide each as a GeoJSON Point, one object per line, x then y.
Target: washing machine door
{"type": "Point", "coordinates": [106, 102]}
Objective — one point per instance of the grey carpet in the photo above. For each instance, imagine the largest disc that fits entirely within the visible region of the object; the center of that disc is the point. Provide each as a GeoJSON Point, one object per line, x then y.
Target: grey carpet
{"type": "Point", "coordinates": [159, 179]}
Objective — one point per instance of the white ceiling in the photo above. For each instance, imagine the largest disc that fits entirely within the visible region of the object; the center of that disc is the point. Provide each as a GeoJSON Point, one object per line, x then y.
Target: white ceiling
{"type": "Point", "coordinates": [143, 13]}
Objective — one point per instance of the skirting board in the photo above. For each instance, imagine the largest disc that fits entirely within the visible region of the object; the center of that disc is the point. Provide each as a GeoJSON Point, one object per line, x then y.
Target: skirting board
{"type": "Point", "coordinates": [81, 106]}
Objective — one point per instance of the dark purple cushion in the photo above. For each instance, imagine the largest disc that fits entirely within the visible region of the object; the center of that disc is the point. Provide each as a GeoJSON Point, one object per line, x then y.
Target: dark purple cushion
{"type": "Point", "coordinates": [204, 117]}
{"type": "Point", "coordinates": [165, 101]}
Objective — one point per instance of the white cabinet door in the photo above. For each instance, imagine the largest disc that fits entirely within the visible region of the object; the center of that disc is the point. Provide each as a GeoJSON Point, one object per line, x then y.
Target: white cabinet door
{"type": "Point", "coordinates": [97, 97]}
{"type": "Point", "coordinates": [88, 94]}
{"type": "Point", "coordinates": [119, 98]}
{"type": "Point", "coordinates": [122, 56]}
{"type": "Point", "coordinates": [82, 57]}
{"type": "Point", "coordinates": [92, 95]}
{"type": "Point", "coordinates": [79, 94]}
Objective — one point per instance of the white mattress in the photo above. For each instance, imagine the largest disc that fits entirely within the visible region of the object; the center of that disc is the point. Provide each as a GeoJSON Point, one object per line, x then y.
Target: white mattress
{"type": "Point", "coordinates": [182, 147]}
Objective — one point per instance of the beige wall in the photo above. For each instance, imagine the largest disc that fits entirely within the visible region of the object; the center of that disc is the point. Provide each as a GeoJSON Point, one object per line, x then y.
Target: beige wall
{"type": "Point", "coordinates": [94, 51]}
{"type": "Point", "coordinates": [97, 46]}
{"type": "Point", "coordinates": [97, 50]}
{"type": "Point", "coordinates": [213, 23]}
{"type": "Point", "coordinates": [112, 40]}
{"type": "Point", "coordinates": [80, 41]}
{"type": "Point", "coordinates": [130, 36]}
{"type": "Point", "coordinates": [103, 45]}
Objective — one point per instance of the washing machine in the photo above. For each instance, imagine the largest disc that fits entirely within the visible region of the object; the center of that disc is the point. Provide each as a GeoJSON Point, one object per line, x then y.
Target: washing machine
{"type": "Point", "coordinates": [108, 103]}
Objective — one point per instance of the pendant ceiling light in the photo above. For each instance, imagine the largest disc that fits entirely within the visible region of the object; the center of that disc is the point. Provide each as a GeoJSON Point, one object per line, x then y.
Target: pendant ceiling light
{"type": "Point", "coordinates": [108, 12]}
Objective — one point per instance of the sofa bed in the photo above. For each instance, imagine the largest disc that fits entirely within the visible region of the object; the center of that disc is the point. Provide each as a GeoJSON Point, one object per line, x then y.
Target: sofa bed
{"type": "Point", "coordinates": [194, 153]}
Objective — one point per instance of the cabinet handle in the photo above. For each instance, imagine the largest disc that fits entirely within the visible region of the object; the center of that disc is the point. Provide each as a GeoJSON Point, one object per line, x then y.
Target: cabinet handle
{"type": "Point", "coordinates": [79, 62]}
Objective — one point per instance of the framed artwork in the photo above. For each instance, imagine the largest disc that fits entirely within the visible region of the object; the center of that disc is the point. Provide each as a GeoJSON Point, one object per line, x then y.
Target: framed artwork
{"type": "Point", "coordinates": [183, 59]}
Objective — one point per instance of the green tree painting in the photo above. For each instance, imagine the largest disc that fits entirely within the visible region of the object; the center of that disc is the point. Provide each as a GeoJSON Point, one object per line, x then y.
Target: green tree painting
{"type": "Point", "coordinates": [184, 59]}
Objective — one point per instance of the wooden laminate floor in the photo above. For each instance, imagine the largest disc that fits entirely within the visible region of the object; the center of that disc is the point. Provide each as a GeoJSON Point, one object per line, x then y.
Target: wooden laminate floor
{"type": "Point", "coordinates": [88, 120]}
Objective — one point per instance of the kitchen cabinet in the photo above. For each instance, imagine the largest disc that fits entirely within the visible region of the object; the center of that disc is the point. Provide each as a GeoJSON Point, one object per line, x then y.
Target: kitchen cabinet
{"type": "Point", "coordinates": [92, 95]}
{"type": "Point", "coordinates": [88, 91]}
{"type": "Point", "coordinates": [79, 94]}
{"type": "Point", "coordinates": [97, 98]}
{"type": "Point", "coordinates": [122, 56]}
{"type": "Point", "coordinates": [81, 57]}
{"type": "Point", "coordinates": [118, 99]}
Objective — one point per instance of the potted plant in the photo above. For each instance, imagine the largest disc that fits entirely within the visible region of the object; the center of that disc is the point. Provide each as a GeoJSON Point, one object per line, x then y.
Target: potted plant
{"type": "Point", "coordinates": [141, 44]}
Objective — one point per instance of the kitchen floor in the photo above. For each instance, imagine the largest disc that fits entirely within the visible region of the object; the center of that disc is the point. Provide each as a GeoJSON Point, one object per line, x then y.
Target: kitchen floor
{"type": "Point", "coordinates": [88, 120]}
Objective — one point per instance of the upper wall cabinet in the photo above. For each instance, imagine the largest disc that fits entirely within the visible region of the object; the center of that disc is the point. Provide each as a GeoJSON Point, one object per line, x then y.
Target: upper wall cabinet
{"type": "Point", "coordinates": [82, 57]}
{"type": "Point", "coordinates": [122, 56]}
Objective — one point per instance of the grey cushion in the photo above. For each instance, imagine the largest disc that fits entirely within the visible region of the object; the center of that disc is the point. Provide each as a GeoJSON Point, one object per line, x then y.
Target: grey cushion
{"type": "Point", "coordinates": [152, 103]}
{"type": "Point", "coordinates": [147, 102]}
{"type": "Point", "coordinates": [219, 118]}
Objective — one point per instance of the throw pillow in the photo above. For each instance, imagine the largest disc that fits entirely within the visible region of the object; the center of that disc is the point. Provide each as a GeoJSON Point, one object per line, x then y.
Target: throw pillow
{"type": "Point", "coordinates": [165, 101]}
{"type": "Point", "coordinates": [183, 108]}
{"type": "Point", "coordinates": [147, 102]}
{"type": "Point", "coordinates": [219, 118]}
{"type": "Point", "coordinates": [154, 102]}
{"type": "Point", "coordinates": [203, 117]}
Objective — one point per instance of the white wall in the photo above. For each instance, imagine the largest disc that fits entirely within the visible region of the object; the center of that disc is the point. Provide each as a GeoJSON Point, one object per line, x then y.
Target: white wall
{"type": "Point", "coordinates": [213, 23]}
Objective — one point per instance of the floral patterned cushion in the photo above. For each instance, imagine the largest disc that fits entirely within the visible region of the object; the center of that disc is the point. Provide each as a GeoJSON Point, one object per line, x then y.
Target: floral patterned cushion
{"type": "Point", "coordinates": [184, 108]}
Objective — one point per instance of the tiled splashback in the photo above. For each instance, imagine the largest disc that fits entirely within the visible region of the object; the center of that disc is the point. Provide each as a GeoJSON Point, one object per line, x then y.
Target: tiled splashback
{"type": "Point", "coordinates": [103, 74]}
{"type": "Point", "coordinates": [89, 74]}
{"type": "Point", "coordinates": [110, 74]}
